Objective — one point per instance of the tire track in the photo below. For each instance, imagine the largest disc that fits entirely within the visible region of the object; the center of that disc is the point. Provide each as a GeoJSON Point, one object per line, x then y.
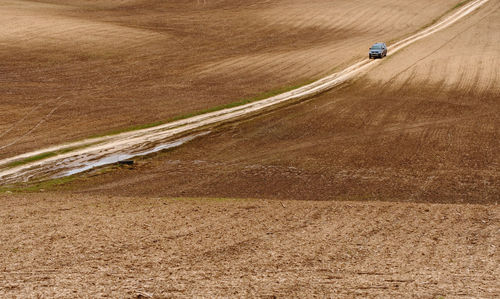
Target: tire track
{"type": "Point", "coordinates": [17, 123]}
{"type": "Point", "coordinates": [38, 124]}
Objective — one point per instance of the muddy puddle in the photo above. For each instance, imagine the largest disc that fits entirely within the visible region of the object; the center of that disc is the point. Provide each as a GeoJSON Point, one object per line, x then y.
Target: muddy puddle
{"type": "Point", "coordinates": [84, 162]}
{"type": "Point", "coordinates": [126, 156]}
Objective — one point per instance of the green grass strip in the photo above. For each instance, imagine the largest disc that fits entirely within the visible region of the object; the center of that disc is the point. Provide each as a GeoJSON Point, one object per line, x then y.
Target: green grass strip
{"type": "Point", "coordinates": [39, 186]}
{"type": "Point", "coordinates": [45, 155]}
{"type": "Point", "coordinates": [460, 4]}
{"type": "Point", "coordinates": [204, 111]}
{"type": "Point", "coordinates": [31, 159]}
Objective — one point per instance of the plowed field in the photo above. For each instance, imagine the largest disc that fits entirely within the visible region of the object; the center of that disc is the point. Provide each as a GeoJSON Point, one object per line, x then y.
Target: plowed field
{"type": "Point", "coordinates": [69, 71]}
{"type": "Point", "coordinates": [55, 245]}
{"type": "Point", "coordinates": [386, 186]}
{"type": "Point", "coordinates": [407, 131]}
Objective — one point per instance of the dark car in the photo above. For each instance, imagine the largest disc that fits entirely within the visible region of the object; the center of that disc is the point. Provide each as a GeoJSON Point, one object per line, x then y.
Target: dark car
{"type": "Point", "coordinates": [378, 50]}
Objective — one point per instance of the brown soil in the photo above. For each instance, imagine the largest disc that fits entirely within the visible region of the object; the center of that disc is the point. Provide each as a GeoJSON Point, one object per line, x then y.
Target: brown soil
{"type": "Point", "coordinates": [69, 71]}
{"type": "Point", "coordinates": [463, 58]}
{"type": "Point", "coordinates": [67, 245]}
{"type": "Point", "coordinates": [378, 138]}
{"type": "Point", "coordinates": [419, 127]}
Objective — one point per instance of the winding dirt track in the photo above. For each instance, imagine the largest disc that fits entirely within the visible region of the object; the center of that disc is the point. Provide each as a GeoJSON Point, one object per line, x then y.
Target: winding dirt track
{"type": "Point", "coordinates": [114, 64]}
{"type": "Point", "coordinates": [137, 141]}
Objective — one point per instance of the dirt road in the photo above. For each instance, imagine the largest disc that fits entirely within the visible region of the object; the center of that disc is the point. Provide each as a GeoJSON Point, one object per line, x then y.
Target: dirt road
{"type": "Point", "coordinates": [136, 141]}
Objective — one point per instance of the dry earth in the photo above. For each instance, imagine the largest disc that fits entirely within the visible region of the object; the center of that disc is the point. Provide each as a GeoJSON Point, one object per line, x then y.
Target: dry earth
{"type": "Point", "coordinates": [69, 71]}
{"type": "Point", "coordinates": [69, 245]}
{"type": "Point", "coordinates": [397, 134]}
{"type": "Point", "coordinates": [422, 127]}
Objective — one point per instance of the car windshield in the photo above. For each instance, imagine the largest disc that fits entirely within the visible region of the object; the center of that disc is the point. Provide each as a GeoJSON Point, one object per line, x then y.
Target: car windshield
{"type": "Point", "coordinates": [376, 48]}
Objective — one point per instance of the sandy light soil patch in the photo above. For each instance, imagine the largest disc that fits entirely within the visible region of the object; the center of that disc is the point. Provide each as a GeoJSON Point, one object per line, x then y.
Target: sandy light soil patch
{"type": "Point", "coordinates": [69, 245]}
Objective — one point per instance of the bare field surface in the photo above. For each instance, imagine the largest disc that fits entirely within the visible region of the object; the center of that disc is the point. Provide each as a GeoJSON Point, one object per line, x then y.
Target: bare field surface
{"type": "Point", "coordinates": [464, 58]}
{"type": "Point", "coordinates": [386, 186]}
{"type": "Point", "coordinates": [376, 138]}
{"type": "Point", "coordinates": [68, 71]}
{"type": "Point", "coordinates": [68, 245]}
{"type": "Point", "coordinates": [106, 149]}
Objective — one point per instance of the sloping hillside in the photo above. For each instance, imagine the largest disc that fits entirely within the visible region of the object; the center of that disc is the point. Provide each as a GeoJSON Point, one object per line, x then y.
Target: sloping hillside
{"type": "Point", "coordinates": [72, 69]}
{"type": "Point", "coordinates": [399, 133]}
